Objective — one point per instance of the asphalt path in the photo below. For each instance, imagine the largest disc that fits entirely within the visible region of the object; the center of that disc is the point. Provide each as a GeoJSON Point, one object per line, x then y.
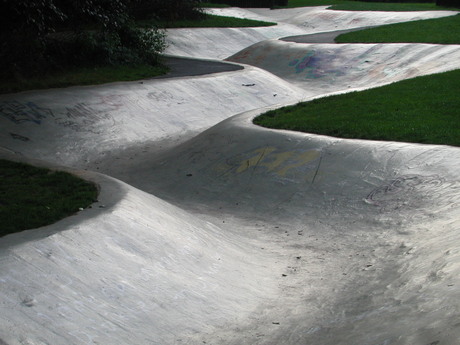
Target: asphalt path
{"type": "Point", "coordinates": [189, 67]}
{"type": "Point", "coordinates": [322, 37]}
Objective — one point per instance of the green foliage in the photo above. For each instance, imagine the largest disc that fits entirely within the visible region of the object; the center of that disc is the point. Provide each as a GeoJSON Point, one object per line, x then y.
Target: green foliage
{"type": "Point", "coordinates": [110, 15]}
{"type": "Point", "coordinates": [440, 31]}
{"type": "Point", "coordinates": [25, 17]}
{"type": "Point", "coordinates": [23, 27]}
{"type": "Point", "coordinates": [386, 6]}
{"type": "Point", "coordinates": [53, 35]}
{"type": "Point", "coordinates": [84, 76]}
{"type": "Point", "coordinates": [345, 5]}
{"type": "Point", "coordinates": [32, 197]}
{"type": "Point", "coordinates": [420, 110]}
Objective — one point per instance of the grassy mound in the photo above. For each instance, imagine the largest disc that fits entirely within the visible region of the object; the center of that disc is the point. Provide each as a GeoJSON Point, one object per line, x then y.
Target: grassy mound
{"type": "Point", "coordinates": [344, 5]}
{"type": "Point", "coordinates": [84, 76]}
{"type": "Point", "coordinates": [32, 197]}
{"type": "Point", "coordinates": [420, 110]}
{"type": "Point", "coordinates": [439, 31]}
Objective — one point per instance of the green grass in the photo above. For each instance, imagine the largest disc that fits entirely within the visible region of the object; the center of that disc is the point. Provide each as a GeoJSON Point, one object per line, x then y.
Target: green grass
{"type": "Point", "coordinates": [32, 197]}
{"type": "Point", "coordinates": [420, 110]}
{"type": "Point", "coordinates": [366, 6]}
{"type": "Point", "coordinates": [440, 30]}
{"type": "Point", "coordinates": [83, 76]}
{"type": "Point", "coordinates": [384, 6]}
{"type": "Point", "coordinates": [212, 21]}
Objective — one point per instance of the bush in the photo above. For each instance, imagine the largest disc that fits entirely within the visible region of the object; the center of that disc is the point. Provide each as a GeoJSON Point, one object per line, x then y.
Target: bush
{"type": "Point", "coordinates": [128, 45]}
{"type": "Point", "coordinates": [30, 46]}
{"type": "Point", "coordinates": [24, 25]}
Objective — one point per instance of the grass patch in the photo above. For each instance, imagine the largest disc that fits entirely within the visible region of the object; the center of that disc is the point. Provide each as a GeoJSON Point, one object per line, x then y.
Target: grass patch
{"type": "Point", "coordinates": [83, 76]}
{"type": "Point", "coordinates": [420, 110]}
{"type": "Point", "coordinates": [32, 197]}
{"type": "Point", "coordinates": [440, 31]}
{"type": "Point", "coordinates": [367, 6]}
{"type": "Point", "coordinates": [212, 21]}
{"type": "Point", "coordinates": [386, 6]}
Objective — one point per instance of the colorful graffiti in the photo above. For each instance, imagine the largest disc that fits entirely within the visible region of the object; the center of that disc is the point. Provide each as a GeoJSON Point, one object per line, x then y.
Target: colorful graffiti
{"type": "Point", "coordinates": [316, 65]}
{"type": "Point", "coordinates": [284, 164]}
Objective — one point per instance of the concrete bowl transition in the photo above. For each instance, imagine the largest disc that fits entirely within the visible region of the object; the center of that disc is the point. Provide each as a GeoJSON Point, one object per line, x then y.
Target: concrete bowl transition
{"type": "Point", "coordinates": [211, 230]}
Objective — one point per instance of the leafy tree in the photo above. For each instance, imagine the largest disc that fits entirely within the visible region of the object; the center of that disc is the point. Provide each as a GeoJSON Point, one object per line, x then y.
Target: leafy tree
{"type": "Point", "coordinates": [96, 32]}
{"type": "Point", "coordinates": [24, 25]}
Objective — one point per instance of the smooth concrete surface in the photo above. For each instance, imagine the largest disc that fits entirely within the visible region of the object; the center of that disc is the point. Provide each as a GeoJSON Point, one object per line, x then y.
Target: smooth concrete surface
{"type": "Point", "coordinates": [211, 230]}
{"type": "Point", "coordinates": [320, 68]}
{"type": "Point", "coordinates": [201, 42]}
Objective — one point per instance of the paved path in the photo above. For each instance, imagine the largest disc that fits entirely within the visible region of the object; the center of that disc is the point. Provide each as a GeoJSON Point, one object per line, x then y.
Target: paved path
{"type": "Point", "coordinates": [188, 67]}
{"type": "Point", "coordinates": [322, 37]}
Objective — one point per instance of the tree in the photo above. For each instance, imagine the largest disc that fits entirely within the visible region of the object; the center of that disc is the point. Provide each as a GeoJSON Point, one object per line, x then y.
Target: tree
{"type": "Point", "coordinates": [29, 44]}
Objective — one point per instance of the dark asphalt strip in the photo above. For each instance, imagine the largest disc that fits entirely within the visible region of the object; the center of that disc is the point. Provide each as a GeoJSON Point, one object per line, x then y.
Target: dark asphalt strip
{"type": "Point", "coordinates": [188, 67]}
{"type": "Point", "coordinates": [322, 37]}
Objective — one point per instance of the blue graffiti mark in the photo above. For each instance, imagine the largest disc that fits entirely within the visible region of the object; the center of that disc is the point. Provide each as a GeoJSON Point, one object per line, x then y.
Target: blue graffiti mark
{"type": "Point", "coordinates": [18, 112]}
{"type": "Point", "coordinates": [301, 64]}
{"type": "Point", "coordinates": [310, 64]}
{"type": "Point", "coordinates": [316, 65]}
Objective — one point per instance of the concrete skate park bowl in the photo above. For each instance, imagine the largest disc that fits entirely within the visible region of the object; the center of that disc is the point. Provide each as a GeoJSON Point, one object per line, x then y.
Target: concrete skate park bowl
{"type": "Point", "coordinates": [211, 230]}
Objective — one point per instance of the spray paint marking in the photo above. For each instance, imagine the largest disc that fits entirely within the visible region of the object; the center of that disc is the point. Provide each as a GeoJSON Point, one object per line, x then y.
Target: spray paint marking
{"type": "Point", "coordinates": [317, 65]}
{"type": "Point", "coordinates": [24, 112]}
{"type": "Point", "coordinates": [282, 163]}
{"type": "Point", "coordinates": [80, 117]}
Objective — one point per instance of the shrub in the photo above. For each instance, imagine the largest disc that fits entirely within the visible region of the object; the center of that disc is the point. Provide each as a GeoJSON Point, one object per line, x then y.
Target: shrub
{"type": "Point", "coordinates": [24, 25]}
{"type": "Point", "coordinates": [128, 45]}
{"type": "Point", "coordinates": [30, 46]}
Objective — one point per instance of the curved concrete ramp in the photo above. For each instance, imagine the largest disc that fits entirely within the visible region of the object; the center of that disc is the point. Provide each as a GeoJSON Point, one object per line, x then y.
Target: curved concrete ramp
{"type": "Point", "coordinates": [79, 125]}
{"type": "Point", "coordinates": [207, 43]}
{"type": "Point", "coordinates": [130, 270]}
{"type": "Point", "coordinates": [321, 68]}
{"type": "Point", "coordinates": [226, 233]}
{"type": "Point", "coordinates": [365, 232]}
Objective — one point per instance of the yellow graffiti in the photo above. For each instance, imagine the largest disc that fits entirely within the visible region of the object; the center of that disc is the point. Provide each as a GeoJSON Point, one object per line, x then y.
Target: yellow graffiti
{"type": "Point", "coordinates": [302, 159]}
{"type": "Point", "coordinates": [278, 162]}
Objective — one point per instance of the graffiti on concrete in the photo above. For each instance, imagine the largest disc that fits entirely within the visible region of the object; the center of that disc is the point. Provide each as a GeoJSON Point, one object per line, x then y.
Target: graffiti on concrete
{"type": "Point", "coordinates": [19, 137]}
{"type": "Point", "coordinates": [316, 65]}
{"type": "Point", "coordinates": [24, 112]}
{"type": "Point", "coordinates": [284, 164]}
{"type": "Point", "coordinates": [405, 192]}
{"type": "Point", "coordinates": [80, 117]}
